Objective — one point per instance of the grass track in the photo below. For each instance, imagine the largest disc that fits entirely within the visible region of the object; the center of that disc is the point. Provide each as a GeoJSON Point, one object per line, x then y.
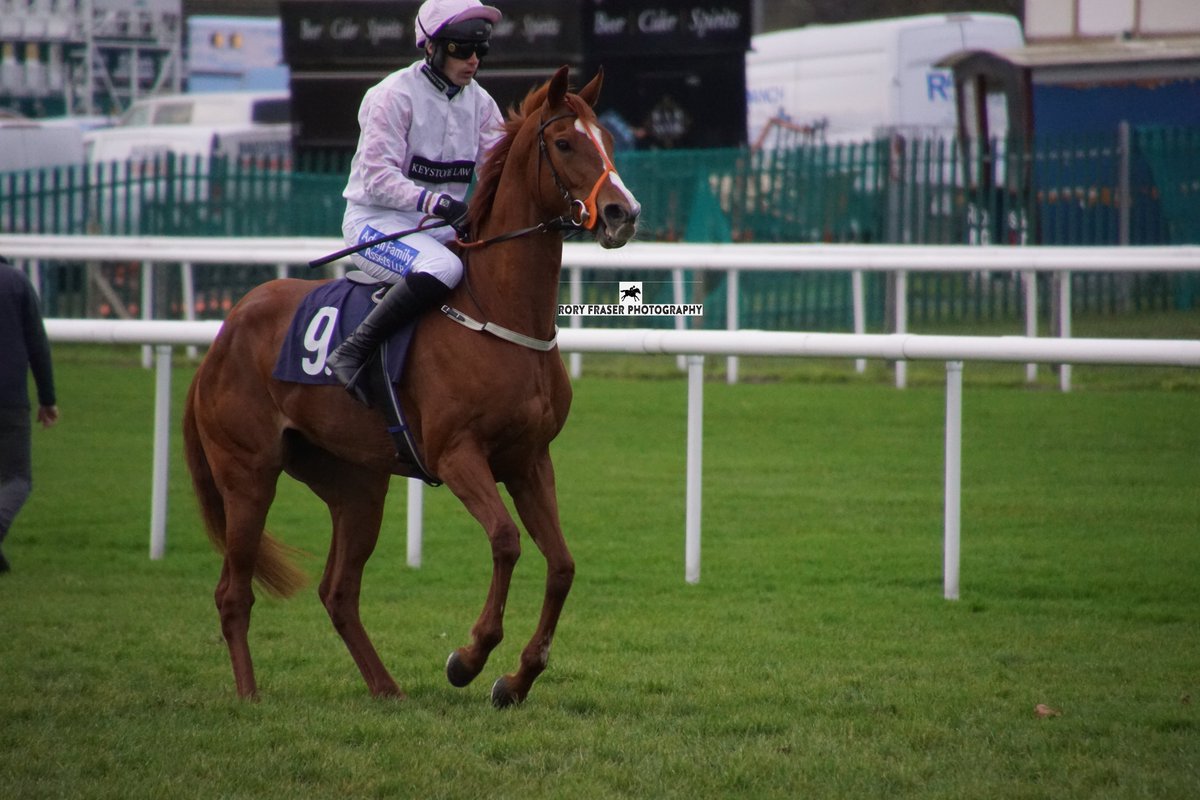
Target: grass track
{"type": "Point", "coordinates": [815, 658]}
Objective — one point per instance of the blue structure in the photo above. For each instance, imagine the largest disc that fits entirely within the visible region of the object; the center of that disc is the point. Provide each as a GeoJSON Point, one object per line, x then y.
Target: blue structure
{"type": "Point", "coordinates": [1052, 134]}
{"type": "Point", "coordinates": [235, 53]}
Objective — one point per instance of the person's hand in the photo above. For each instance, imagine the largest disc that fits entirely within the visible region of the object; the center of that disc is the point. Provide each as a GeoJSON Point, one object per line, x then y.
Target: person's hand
{"type": "Point", "coordinates": [47, 415]}
{"type": "Point", "coordinates": [453, 211]}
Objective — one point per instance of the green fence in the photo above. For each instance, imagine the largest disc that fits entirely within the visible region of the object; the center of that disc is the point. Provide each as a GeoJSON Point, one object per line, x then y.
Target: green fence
{"type": "Point", "coordinates": [1143, 188]}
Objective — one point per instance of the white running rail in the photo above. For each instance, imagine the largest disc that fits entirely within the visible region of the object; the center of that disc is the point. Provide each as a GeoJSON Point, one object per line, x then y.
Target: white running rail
{"type": "Point", "coordinates": [694, 345]}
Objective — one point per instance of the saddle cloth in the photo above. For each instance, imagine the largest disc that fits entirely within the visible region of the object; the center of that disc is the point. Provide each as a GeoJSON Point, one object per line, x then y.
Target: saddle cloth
{"type": "Point", "coordinates": [326, 316]}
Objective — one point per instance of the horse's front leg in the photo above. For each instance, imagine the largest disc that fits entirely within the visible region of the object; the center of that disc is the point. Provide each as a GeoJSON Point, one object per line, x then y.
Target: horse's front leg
{"type": "Point", "coordinates": [468, 476]}
{"type": "Point", "coordinates": [537, 503]}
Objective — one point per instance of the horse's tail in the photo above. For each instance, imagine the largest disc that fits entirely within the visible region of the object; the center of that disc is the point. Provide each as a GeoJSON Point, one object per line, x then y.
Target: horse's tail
{"type": "Point", "coordinates": [274, 569]}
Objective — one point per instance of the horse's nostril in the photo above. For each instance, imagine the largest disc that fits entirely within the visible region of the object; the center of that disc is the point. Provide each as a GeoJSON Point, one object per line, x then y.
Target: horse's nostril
{"type": "Point", "coordinates": [615, 213]}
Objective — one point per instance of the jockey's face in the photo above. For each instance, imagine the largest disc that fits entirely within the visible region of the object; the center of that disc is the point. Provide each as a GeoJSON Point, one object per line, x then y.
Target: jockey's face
{"type": "Point", "coordinates": [460, 71]}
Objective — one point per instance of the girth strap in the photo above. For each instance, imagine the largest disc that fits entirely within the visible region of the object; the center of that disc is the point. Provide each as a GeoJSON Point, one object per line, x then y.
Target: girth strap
{"type": "Point", "coordinates": [541, 345]}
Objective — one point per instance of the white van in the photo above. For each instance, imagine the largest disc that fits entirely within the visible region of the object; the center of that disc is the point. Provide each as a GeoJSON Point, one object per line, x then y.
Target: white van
{"type": "Point", "coordinates": [38, 159]}
{"type": "Point", "coordinates": [137, 188]}
{"type": "Point", "coordinates": [27, 144]}
{"type": "Point", "coordinates": [207, 124]}
{"type": "Point", "coordinates": [863, 80]}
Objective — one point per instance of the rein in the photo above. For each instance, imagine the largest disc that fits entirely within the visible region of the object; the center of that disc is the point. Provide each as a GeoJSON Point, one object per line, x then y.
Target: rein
{"type": "Point", "coordinates": [556, 224]}
{"type": "Point", "coordinates": [391, 237]}
{"type": "Point", "coordinates": [429, 223]}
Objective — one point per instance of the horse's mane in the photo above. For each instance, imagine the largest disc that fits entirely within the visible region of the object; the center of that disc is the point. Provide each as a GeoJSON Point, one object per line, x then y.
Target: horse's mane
{"type": "Point", "coordinates": [493, 165]}
{"type": "Point", "coordinates": [494, 161]}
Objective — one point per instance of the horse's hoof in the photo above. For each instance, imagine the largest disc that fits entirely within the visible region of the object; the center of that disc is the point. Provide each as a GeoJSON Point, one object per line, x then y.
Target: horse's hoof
{"type": "Point", "coordinates": [502, 695]}
{"type": "Point", "coordinates": [457, 672]}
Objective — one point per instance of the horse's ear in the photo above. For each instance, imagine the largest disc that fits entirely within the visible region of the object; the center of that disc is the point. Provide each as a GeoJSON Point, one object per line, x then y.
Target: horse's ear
{"type": "Point", "coordinates": [558, 87]}
{"type": "Point", "coordinates": [591, 93]}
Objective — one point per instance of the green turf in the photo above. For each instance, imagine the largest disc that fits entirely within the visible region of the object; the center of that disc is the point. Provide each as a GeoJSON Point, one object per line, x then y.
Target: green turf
{"type": "Point", "coordinates": [815, 658]}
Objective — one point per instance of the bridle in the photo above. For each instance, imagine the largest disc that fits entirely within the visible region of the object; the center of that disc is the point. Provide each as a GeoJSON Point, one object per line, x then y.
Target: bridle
{"type": "Point", "coordinates": [581, 213]}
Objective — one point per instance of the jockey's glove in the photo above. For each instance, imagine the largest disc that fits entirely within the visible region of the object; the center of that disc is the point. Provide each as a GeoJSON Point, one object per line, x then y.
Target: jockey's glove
{"type": "Point", "coordinates": [451, 210]}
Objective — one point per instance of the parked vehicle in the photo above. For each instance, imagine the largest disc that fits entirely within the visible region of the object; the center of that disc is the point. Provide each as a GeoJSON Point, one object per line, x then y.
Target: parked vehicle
{"type": "Point", "coordinates": [40, 163]}
{"type": "Point", "coordinates": [863, 80]}
{"type": "Point", "coordinates": [27, 144]}
{"type": "Point", "coordinates": [169, 165]}
{"type": "Point", "coordinates": [236, 124]}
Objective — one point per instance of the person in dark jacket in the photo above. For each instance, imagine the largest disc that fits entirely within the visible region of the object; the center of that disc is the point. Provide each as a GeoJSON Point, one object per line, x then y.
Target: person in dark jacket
{"type": "Point", "coordinates": [25, 348]}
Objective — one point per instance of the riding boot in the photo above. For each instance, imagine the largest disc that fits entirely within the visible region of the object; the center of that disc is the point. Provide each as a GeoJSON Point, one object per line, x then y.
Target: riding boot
{"type": "Point", "coordinates": [402, 303]}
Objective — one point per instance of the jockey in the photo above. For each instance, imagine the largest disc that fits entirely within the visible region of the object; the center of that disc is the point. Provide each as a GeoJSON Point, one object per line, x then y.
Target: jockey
{"type": "Point", "coordinates": [423, 129]}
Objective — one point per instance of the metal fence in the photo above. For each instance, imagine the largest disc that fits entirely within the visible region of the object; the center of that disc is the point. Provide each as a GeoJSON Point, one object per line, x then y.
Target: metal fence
{"type": "Point", "coordinates": [1139, 186]}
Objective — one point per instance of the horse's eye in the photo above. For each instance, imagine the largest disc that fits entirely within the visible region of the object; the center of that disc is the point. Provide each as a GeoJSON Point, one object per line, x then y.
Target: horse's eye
{"type": "Point", "coordinates": [562, 144]}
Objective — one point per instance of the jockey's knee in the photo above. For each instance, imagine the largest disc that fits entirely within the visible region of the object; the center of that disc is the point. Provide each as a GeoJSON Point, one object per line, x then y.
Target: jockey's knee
{"type": "Point", "coordinates": [441, 264]}
{"type": "Point", "coordinates": [391, 261]}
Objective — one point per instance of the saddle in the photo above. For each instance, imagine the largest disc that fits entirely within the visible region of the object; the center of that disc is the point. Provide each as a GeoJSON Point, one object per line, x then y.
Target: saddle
{"type": "Point", "coordinates": [326, 316]}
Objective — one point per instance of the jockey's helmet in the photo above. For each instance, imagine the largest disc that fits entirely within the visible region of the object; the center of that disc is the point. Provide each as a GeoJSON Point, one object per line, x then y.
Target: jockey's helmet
{"type": "Point", "coordinates": [455, 21]}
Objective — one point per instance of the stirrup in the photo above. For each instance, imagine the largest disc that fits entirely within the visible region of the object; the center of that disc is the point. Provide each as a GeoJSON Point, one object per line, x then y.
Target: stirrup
{"type": "Point", "coordinates": [358, 384]}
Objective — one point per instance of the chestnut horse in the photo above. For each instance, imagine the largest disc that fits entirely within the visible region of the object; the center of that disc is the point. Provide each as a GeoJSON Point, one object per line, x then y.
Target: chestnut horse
{"type": "Point", "coordinates": [482, 409]}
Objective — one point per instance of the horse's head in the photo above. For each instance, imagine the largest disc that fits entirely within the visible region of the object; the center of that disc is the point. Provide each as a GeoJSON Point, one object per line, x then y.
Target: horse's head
{"type": "Point", "coordinates": [576, 172]}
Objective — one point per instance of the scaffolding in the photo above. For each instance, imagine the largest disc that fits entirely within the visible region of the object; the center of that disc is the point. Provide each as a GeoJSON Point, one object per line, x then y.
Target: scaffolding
{"type": "Point", "coordinates": [88, 57]}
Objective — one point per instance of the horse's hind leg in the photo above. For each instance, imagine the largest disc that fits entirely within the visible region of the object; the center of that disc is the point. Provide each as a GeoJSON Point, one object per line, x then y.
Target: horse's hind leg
{"type": "Point", "coordinates": [534, 497]}
{"type": "Point", "coordinates": [246, 515]}
{"type": "Point", "coordinates": [356, 521]}
{"type": "Point", "coordinates": [355, 497]}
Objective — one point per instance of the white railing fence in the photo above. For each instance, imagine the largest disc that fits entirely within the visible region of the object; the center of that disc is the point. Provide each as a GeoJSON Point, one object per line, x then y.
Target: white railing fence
{"type": "Point", "coordinates": [694, 345]}
{"type": "Point", "coordinates": [286, 253]}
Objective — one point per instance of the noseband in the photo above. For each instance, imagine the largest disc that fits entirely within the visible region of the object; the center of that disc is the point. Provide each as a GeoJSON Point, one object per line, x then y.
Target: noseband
{"type": "Point", "coordinates": [581, 213]}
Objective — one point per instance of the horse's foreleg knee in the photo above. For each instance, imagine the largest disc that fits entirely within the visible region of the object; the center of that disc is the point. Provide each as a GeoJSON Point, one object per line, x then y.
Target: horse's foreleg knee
{"type": "Point", "coordinates": [559, 579]}
{"type": "Point", "coordinates": [506, 551]}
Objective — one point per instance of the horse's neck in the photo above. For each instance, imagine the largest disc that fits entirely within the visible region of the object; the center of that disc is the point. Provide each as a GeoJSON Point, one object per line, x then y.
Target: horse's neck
{"type": "Point", "coordinates": [516, 282]}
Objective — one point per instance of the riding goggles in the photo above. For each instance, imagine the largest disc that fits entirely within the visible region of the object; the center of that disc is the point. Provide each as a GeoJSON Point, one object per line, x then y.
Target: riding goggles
{"type": "Point", "coordinates": [464, 50]}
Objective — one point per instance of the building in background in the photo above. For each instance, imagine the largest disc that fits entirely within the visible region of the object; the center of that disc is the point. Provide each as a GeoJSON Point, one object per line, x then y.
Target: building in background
{"type": "Point", "coordinates": [87, 57]}
{"type": "Point", "coordinates": [1087, 67]}
{"type": "Point", "coordinates": [96, 57]}
{"type": "Point", "coordinates": [675, 70]}
{"type": "Point", "coordinates": [1070, 131]}
{"type": "Point", "coordinates": [234, 53]}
